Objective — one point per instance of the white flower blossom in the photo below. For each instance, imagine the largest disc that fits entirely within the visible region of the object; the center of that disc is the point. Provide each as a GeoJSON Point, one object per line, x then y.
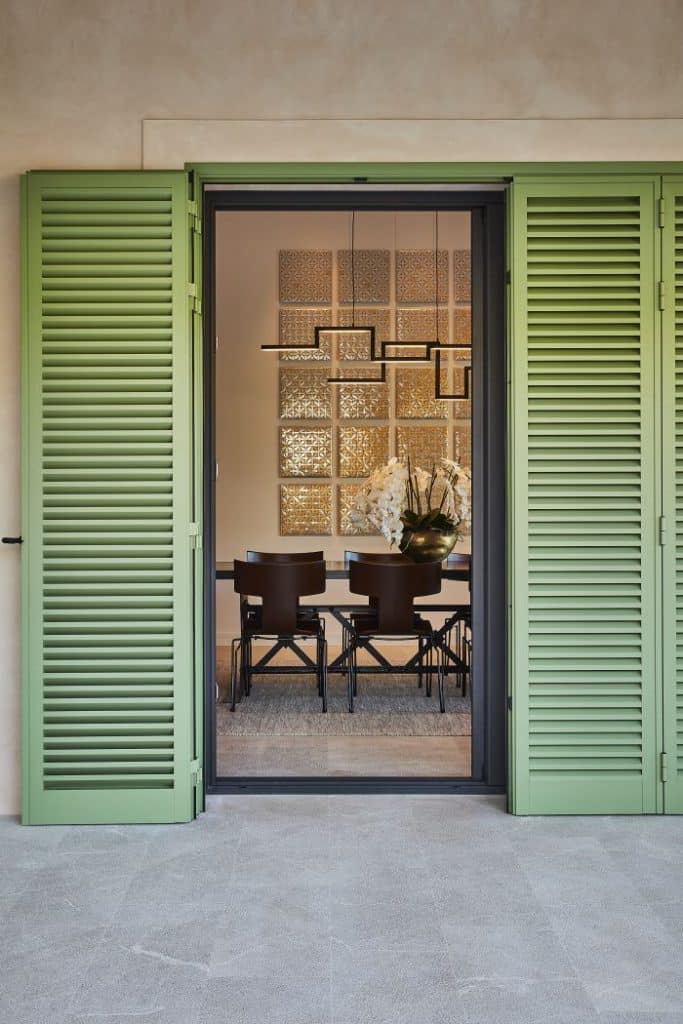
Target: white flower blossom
{"type": "Point", "coordinates": [381, 501]}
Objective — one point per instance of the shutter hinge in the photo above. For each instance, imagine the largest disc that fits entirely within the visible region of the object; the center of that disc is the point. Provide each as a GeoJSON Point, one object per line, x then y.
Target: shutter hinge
{"type": "Point", "coordinates": [195, 302]}
{"type": "Point", "coordinates": [195, 219]}
{"type": "Point", "coordinates": [663, 767]}
{"type": "Point", "coordinates": [196, 773]}
{"type": "Point", "coordinates": [508, 277]}
{"type": "Point", "coordinates": [195, 535]}
{"type": "Point", "coordinates": [509, 703]}
{"type": "Point", "coordinates": [662, 531]}
{"type": "Point", "coordinates": [661, 208]}
{"type": "Point", "coordinates": [660, 294]}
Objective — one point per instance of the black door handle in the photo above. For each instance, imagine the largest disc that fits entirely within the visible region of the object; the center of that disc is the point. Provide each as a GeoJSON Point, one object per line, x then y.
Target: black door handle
{"type": "Point", "coordinates": [12, 540]}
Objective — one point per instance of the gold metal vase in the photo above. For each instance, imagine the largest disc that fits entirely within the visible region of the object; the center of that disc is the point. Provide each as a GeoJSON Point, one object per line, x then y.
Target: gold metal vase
{"type": "Point", "coordinates": [427, 545]}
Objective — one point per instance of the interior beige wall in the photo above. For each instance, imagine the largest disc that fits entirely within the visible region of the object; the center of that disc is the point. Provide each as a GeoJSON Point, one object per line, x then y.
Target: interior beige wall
{"type": "Point", "coordinates": [78, 78]}
{"type": "Point", "coordinates": [247, 302]}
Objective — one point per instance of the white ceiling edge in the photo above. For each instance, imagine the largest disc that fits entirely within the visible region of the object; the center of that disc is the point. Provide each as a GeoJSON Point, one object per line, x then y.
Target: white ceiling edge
{"type": "Point", "coordinates": [172, 143]}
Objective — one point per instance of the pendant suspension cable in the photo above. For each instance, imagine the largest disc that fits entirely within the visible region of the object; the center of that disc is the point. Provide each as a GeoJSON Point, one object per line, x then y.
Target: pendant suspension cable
{"type": "Point", "coordinates": [436, 276]}
{"type": "Point", "coordinates": [353, 268]}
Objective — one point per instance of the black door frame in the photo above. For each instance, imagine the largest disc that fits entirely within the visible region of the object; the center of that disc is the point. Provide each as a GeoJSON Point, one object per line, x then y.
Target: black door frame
{"type": "Point", "coordinates": [489, 657]}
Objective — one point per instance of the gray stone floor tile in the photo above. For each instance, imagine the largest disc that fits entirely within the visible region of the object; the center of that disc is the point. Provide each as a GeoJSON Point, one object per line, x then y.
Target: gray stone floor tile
{"type": "Point", "coordinates": [363, 909]}
{"type": "Point", "coordinates": [516, 971]}
{"type": "Point", "coordinates": [620, 948]}
{"type": "Point", "coordinates": [39, 983]}
{"type": "Point", "coordinates": [392, 986]}
{"type": "Point", "coordinates": [159, 972]}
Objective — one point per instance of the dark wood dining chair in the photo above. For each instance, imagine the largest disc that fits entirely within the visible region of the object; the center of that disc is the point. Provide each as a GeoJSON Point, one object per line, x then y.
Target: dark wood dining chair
{"type": "Point", "coordinates": [284, 557]}
{"type": "Point", "coordinates": [280, 585]}
{"type": "Point", "coordinates": [392, 587]}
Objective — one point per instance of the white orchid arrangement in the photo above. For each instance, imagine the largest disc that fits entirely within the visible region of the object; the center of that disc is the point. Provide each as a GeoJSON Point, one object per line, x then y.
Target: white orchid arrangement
{"type": "Point", "coordinates": [398, 497]}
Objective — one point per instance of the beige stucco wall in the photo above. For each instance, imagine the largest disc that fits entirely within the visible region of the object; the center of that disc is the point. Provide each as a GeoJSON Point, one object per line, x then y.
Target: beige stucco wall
{"type": "Point", "coordinates": [91, 83]}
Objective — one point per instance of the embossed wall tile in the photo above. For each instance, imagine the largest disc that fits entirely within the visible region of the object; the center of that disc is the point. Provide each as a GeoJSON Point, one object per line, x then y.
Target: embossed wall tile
{"type": "Point", "coordinates": [305, 393]}
{"type": "Point", "coordinates": [462, 442]}
{"type": "Point", "coordinates": [305, 510]}
{"type": "Point", "coordinates": [425, 444]}
{"type": "Point", "coordinates": [305, 451]}
{"type": "Point", "coordinates": [371, 270]}
{"type": "Point", "coordinates": [415, 276]}
{"type": "Point", "coordinates": [462, 275]}
{"type": "Point", "coordinates": [415, 394]}
{"type": "Point", "coordinates": [462, 408]}
{"type": "Point", "coordinates": [462, 355]}
{"type": "Point", "coordinates": [462, 334]}
{"type": "Point", "coordinates": [357, 346]}
{"type": "Point", "coordinates": [362, 401]}
{"type": "Point", "coordinates": [346, 495]}
{"type": "Point", "coordinates": [306, 276]}
{"type": "Point", "coordinates": [420, 325]}
{"type": "Point", "coordinates": [361, 449]}
{"type": "Point", "coordinates": [297, 327]}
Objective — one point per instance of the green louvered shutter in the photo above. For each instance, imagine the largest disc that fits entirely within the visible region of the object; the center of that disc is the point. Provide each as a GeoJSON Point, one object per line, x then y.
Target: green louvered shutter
{"type": "Point", "coordinates": [107, 559]}
{"type": "Point", "coordinates": [672, 478]}
{"type": "Point", "coordinates": [583, 503]}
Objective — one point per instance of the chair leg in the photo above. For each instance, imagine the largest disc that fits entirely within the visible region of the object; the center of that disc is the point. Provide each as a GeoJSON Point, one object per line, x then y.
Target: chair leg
{"type": "Point", "coordinates": [350, 676]}
{"type": "Point", "coordinates": [430, 670]}
{"type": "Point", "coordinates": [247, 666]}
{"type": "Point", "coordinates": [419, 663]}
{"type": "Point", "coordinates": [323, 651]}
{"type": "Point", "coordinates": [236, 647]}
{"type": "Point", "coordinates": [441, 668]}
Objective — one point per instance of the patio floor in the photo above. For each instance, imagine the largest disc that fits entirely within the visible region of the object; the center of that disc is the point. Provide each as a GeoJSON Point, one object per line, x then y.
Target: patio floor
{"type": "Point", "coordinates": [345, 909]}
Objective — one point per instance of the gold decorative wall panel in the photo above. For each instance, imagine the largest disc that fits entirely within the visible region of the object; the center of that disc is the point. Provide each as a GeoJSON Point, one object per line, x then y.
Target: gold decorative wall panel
{"type": "Point", "coordinates": [305, 451]}
{"type": "Point", "coordinates": [305, 510]}
{"type": "Point", "coordinates": [462, 442]}
{"type": "Point", "coordinates": [362, 401]}
{"type": "Point", "coordinates": [306, 276]}
{"type": "Point", "coordinates": [345, 431]}
{"type": "Point", "coordinates": [425, 444]}
{"type": "Point", "coordinates": [357, 346]}
{"type": "Point", "coordinates": [462, 334]}
{"type": "Point", "coordinates": [360, 449]}
{"type": "Point", "coordinates": [415, 394]}
{"type": "Point", "coordinates": [371, 270]}
{"type": "Point", "coordinates": [415, 276]}
{"type": "Point", "coordinates": [421, 324]}
{"type": "Point", "coordinates": [297, 327]}
{"type": "Point", "coordinates": [346, 495]}
{"type": "Point", "coordinates": [305, 393]}
{"type": "Point", "coordinates": [462, 275]}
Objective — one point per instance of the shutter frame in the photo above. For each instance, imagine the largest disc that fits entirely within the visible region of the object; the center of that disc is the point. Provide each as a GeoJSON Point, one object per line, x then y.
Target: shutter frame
{"type": "Point", "coordinates": [547, 711]}
{"type": "Point", "coordinates": [73, 776]}
{"type": "Point", "coordinates": [671, 553]}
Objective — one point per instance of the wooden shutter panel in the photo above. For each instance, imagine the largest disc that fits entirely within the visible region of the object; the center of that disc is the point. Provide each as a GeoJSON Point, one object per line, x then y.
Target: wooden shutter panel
{"type": "Point", "coordinates": [672, 479]}
{"type": "Point", "coordinates": [583, 496]}
{"type": "Point", "coordinates": [107, 457]}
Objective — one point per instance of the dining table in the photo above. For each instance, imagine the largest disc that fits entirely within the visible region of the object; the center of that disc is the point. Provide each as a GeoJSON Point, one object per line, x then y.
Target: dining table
{"type": "Point", "coordinates": [457, 616]}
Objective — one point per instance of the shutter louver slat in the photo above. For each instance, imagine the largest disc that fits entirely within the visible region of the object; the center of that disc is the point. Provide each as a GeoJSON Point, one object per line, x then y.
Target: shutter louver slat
{"type": "Point", "coordinates": [583, 327]}
{"type": "Point", "coordinates": [108, 339]}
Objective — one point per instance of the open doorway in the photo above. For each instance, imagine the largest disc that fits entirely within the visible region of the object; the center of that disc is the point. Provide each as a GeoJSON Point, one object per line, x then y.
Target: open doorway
{"type": "Point", "coordinates": [287, 454]}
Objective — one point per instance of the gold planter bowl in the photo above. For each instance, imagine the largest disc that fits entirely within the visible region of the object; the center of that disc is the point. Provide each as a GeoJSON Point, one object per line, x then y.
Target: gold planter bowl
{"type": "Point", "coordinates": [427, 545]}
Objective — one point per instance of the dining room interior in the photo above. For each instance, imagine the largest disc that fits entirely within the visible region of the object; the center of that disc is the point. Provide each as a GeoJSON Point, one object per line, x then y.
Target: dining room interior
{"type": "Point", "coordinates": [348, 364]}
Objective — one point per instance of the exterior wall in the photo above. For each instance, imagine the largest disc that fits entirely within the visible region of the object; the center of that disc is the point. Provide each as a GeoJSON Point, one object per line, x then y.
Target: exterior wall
{"type": "Point", "coordinates": [94, 85]}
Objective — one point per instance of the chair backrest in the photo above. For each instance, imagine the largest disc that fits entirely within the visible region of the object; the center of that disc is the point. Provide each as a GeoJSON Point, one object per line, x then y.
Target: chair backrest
{"type": "Point", "coordinates": [393, 587]}
{"type": "Point", "coordinates": [285, 557]}
{"type": "Point", "coordinates": [382, 557]}
{"type": "Point", "coordinates": [279, 585]}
